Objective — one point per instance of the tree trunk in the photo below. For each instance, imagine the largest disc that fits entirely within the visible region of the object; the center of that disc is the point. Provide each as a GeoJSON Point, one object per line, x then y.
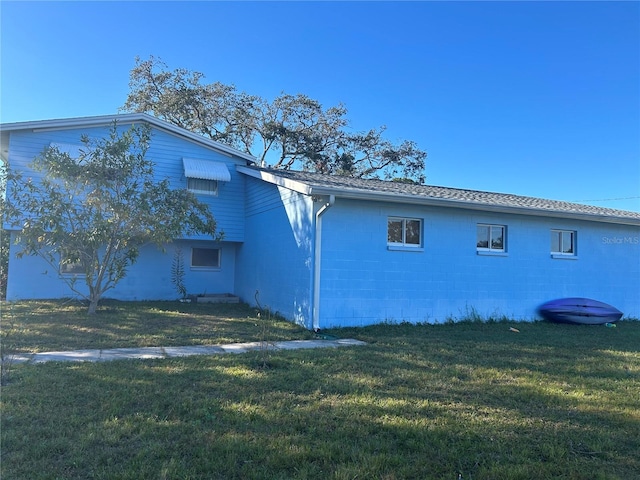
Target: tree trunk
{"type": "Point", "coordinates": [93, 304]}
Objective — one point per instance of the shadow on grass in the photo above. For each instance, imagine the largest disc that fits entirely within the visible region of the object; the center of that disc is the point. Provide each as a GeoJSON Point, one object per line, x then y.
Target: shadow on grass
{"type": "Point", "coordinates": [59, 326]}
{"type": "Point", "coordinates": [419, 402]}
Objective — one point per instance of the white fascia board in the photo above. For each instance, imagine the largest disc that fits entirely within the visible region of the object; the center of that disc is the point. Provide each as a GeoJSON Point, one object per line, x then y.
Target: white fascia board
{"type": "Point", "coordinates": [448, 203]}
{"type": "Point", "coordinates": [103, 120]}
{"type": "Point", "coordinates": [356, 194]}
{"type": "Point", "coordinates": [294, 185]}
{"type": "Point", "coordinates": [76, 122]}
{"type": "Point", "coordinates": [230, 151]}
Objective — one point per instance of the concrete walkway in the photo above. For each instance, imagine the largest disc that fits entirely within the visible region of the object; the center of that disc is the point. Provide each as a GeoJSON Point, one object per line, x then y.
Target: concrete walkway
{"type": "Point", "coordinates": [173, 352]}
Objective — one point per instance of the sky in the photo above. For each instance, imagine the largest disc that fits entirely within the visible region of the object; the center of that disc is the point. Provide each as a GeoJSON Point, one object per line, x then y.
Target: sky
{"type": "Point", "coordinates": [531, 98]}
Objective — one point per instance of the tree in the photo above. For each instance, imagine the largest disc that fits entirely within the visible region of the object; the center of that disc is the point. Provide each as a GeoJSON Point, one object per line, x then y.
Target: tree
{"type": "Point", "coordinates": [292, 130]}
{"type": "Point", "coordinates": [4, 235]}
{"type": "Point", "coordinates": [95, 212]}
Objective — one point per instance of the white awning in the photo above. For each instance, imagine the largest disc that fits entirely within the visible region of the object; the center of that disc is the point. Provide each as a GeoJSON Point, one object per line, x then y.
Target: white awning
{"type": "Point", "coordinates": [206, 170]}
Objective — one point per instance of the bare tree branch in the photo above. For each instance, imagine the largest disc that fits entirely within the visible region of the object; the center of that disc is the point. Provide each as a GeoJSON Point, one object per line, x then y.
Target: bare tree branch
{"type": "Point", "coordinates": [291, 130]}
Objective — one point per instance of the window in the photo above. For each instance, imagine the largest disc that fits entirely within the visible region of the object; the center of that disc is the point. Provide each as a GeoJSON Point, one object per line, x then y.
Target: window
{"type": "Point", "coordinates": [206, 258]}
{"type": "Point", "coordinates": [491, 238]}
{"type": "Point", "coordinates": [74, 151]}
{"type": "Point", "coordinates": [200, 185]}
{"type": "Point", "coordinates": [405, 232]}
{"type": "Point", "coordinates": [203, 176]}
{"type": "Point", "coordinates": [68, 267]}
{"type": "Point", "coordinates": [563, 242]}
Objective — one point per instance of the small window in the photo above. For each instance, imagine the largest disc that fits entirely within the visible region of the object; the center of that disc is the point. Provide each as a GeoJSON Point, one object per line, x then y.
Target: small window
{"type": "Point", "coordinates": [563, 242]}
{"type": "Point", "coordinates": [200, 185]}
{"type": "Point", "coordinates": [404, 232]}
{"type": "Point", "coordinates": [491, 237]}
{"type": "Point", "coordinates": [205, 258]}
{"type": "Point", "coordinates": [69, 267]}
{"type": "Point", "coordinates": [74, 151]}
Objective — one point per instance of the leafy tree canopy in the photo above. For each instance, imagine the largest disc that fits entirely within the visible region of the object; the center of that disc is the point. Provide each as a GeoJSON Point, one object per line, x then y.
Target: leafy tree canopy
{"type": "Point", "coordinates": [291, 130]}
{"type": "Point", "coordinates": [95, 211]}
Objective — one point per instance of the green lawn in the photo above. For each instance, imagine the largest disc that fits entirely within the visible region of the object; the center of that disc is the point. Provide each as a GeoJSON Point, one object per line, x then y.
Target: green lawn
{"type": "Point", "coordinates": [55, 326]}
{"type": "Point", "coordinates": [418, 402]}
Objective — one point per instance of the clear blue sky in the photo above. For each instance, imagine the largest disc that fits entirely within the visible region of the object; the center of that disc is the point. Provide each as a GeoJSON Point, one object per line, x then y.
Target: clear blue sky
{"type": "Point", "coordinates": [532, 98]}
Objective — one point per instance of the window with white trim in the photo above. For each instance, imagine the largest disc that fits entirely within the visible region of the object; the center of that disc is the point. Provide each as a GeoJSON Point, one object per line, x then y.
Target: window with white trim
{"type": "Point", "coordinates": [205, 258]}
{"type": "Point", "coordinates": [74, 151]}
{"type": "Point", "coordinates": [491, 238]}
{"type": "Point", "coordinates": [70, 267]}
{"type": "Point", "coordinates": [203, 176]}
{"type": "Point", "coordinates": [563, 242]}
{"type": "Point", "coordinates": [202, 186]}
{"type": "Point", "coordinates": [404, 232]}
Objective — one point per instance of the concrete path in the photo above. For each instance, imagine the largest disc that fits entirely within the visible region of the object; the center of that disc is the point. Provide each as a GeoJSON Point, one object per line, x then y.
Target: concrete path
{"type": "Point", "coordinates": [173, 352]}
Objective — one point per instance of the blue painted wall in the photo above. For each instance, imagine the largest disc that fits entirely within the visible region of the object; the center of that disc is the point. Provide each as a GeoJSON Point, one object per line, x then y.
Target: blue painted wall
{"type": "Point", "coordinates": [363, 282]}
{"type": "Point", "coordinates": [276, 256]}
{"type": "Point", "coordinates": [30, 277]}
{"type": "Point", "coordinates": [269, 247]}
{"type": "Point", "coordinates": [166, 151]}
{"type": "Point", "coordinates": [150, 277]}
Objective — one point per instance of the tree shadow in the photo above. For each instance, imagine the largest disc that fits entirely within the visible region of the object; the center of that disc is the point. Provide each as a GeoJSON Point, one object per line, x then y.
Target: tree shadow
{"type": "Point", "coordinates": [417, 403]}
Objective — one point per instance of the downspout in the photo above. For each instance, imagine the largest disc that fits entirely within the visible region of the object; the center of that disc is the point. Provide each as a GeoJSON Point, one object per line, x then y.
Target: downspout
{"type": "Point", "coordinates": [317, 251]}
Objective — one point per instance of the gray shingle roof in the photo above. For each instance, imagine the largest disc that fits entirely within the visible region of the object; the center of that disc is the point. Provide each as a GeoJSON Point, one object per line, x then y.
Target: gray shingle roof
{"type": "Point", "coordinates": [321, 184]}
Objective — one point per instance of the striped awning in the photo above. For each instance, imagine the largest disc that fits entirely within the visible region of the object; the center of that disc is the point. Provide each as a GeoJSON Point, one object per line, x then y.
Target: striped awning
{"type": "Point", "coordinates": [206, 170]}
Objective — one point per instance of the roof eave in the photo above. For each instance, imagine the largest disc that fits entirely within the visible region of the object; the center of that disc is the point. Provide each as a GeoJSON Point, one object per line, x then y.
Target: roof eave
{"type": "Point", "coordinates": [449, 203]}
{"type": "Point", "coordinates": [269, 177]}
{"type": "Point", "coordinates": [102, 120]}
{"type": "Point", "coordinates": [308, 188]}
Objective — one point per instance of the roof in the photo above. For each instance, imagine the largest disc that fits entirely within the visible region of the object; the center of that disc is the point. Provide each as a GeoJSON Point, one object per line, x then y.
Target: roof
{"type": "Point", "coordinates": [104, 120]}
{"type": "Point", "coordinates": [381, 190]}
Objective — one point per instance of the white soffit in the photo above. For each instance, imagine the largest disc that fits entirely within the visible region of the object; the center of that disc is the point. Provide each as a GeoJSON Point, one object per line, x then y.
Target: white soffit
{"type": "Point", "coordinates": [206, 170]}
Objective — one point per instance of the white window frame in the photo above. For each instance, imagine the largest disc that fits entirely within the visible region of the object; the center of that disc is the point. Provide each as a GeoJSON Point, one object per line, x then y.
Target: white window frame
{"type": "Point", "coordinates": [70, 269]}
{"type": "Point", "coordinates": [490, 247]}
{"type": "Point", "coordinates": [213, 191]}
{"type": "Point", "coordinates": [74, 151]}
{"type": "Point", "coordinates": [574, 241]}
{"type": "Point", "coordinates": [403, 243]}
{"type": "Point", "coordinates": [206, 267]}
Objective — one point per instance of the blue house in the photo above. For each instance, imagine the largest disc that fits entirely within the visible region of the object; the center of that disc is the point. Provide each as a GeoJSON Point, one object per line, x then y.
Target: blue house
{"type": "Point", "coordinates": [328, 251]}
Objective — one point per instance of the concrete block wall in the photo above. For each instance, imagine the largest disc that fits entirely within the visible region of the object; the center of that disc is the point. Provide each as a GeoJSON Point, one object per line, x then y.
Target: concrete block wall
{"type": "Point", "coordinates": [365, 282]}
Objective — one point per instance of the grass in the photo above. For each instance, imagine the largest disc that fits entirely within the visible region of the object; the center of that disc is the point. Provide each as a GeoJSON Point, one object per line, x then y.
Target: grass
{"type": "Point", "coordinates": [57, 326]}
{"type": "Point", "coordinates": [425, 402]}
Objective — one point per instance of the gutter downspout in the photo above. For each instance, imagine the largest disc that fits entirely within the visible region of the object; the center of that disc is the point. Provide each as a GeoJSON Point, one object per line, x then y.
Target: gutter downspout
{"type": "Point", "coordinates": [317, 251]}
